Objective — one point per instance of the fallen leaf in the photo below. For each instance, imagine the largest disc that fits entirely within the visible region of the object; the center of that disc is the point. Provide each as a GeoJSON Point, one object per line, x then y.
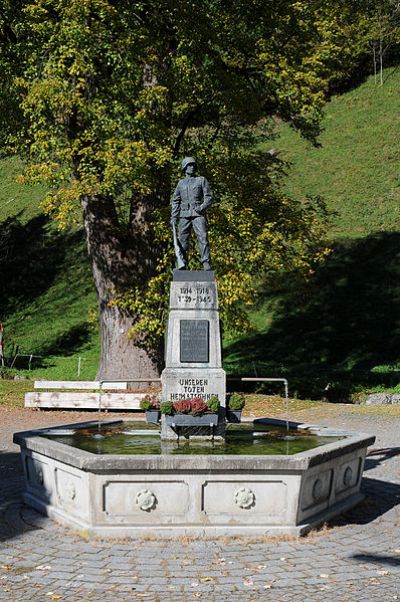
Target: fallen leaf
{"type": "Point", "coordinates": [205, 579]}
{"type": "Point", "coordinates": [248, 582]}
{"type": "Point", "coordinates": [324, 576]}
{"type": "Point", "coordinates": [55, 597]}
{"type": "Point", "coordinates": [194, 584]}
{"type": "Point", "coordinates": [382, 573]}
{"type": "Point", "coordinates": [283, 559]}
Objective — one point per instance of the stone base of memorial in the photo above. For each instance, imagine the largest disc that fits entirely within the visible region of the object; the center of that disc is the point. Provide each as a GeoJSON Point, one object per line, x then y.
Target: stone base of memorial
{"type": "Point", "coordinates": [189, 420]}
{"type": "Point", "coordinates": [193, 347]}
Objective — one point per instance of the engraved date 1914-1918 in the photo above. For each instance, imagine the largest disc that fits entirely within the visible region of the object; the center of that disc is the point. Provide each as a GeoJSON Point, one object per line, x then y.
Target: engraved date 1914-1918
{"type": "Point", "coordinates": [188, 294]}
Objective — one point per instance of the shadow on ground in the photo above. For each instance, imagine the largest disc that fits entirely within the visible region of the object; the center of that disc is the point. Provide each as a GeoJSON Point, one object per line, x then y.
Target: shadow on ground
{"type": "Point", "coordinates": [380, 497]}
{"type": "Point", "coordinates": [329, 334]}
{"type": "Point", "coordinates": [378, 559]}
{"type": "Point", "coordinates": [376, 457]}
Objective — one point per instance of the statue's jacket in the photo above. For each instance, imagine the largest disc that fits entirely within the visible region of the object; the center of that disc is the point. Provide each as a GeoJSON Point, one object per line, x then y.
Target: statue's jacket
{"type": "Point", "coordinates": [191, 198]}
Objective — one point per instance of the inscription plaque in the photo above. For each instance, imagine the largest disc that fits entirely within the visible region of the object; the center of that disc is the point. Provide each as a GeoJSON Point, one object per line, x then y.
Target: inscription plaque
{"type": "Point", "coordinates": [194, 341]}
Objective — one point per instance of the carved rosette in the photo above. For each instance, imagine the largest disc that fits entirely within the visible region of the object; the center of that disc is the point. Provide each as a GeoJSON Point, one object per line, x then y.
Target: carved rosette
{"type": "Point", "coordinates": [317, 490]}
{"type": "Point", "coordinates": [39, 478]}
{"type": "Point", "coordinates": [70, 491]}
{"type": "Point", "coordinates": [244, 497]}
{"type": "Point", "coordinates": [347, 476]}
{"type": "Point", "coordinates": [145, 499]}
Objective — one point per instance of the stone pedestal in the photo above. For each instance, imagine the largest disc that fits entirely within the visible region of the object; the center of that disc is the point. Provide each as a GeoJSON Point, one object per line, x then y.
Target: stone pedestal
{"type": "Point", "coordinates": [193, 346]}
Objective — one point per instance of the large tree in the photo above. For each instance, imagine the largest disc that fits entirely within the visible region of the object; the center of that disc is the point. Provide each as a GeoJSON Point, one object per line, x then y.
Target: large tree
{"type": "Point", "coordinates": [107, 95]}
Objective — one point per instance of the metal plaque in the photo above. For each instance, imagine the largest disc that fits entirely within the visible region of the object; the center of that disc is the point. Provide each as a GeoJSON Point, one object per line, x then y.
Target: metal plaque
{"type": "Point", "coordinates": [194, 341]}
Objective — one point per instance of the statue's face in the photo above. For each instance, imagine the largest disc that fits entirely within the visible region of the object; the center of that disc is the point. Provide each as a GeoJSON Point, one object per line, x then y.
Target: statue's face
{"type": "Point", "coordinates": [190, 169]}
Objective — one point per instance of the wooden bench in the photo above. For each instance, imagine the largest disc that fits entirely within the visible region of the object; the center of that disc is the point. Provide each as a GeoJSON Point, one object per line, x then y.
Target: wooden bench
{"type": "Point", "coordinates": [83, 395]}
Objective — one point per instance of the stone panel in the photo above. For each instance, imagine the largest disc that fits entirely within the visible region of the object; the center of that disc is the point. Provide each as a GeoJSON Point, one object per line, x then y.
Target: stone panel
{"type": "Point", "coordinates": [145, 501]}
{"type": "Point", "coordinates": [194, 295]}
{"type": "Point", "coordinates": [71, 491]}
{"type": "Point", "coordinates": [38, 474]}
{"type": "Point", "coordinates": [245, 501]}
{"type": "Point", "coordinates": [183, 383]}
{"type": "Point", "coordinates": [317, 489]}
{"type": "Point", "coordinates": [348, 474]}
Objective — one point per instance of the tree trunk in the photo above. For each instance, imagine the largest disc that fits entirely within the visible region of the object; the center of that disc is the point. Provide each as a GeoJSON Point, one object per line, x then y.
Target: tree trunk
{"type": "Point", "coordinates": [121, 359]}
{"type": "Point", "coordinates": [118, 263]}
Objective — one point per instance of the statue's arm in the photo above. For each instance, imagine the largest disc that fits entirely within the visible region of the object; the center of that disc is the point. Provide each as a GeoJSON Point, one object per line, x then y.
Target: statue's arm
{"type": "Point", "coordinates": [176, 204]}
{"type": "Point", "coordinates": [207, 195]}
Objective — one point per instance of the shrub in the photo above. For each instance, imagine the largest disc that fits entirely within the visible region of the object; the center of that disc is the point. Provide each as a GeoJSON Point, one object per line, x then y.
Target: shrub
{"type": "Point", "coordinates": [213, 403]}
{"type": "Point", "coordinates": [166, 407]}
{"type": "Point", "coordinates": [183, 406]}
{"type": "Point", "coordinates": [236, 401]}
{"type": "Point", "coordinates": [150, 402]}
{"type": "Point", "coordinates": [198, 406]}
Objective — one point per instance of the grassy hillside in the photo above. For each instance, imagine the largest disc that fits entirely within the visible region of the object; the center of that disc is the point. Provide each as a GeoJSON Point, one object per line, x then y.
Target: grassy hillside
{"type": "Point", "coordinates": [356, 167]}
{"type": "Point", "coordinates": [341, 332]}
{"type": "Point", "coordinates": [46, 294]}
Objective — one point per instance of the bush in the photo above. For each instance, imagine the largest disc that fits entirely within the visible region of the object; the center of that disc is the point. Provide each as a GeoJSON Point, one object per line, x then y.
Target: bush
{"type": "Point", "coordinates": [183, 406]}
{"type": "Point", "coordinates": [213, 403]}
{"type": "Point", "coordinates": [198, 406]}
{"type": "Point", "coordinates": [167, 408]}
{"type": "Point", "coordinates": [236, 402]}
{"type": "Point", "coordinates": [150, 402]}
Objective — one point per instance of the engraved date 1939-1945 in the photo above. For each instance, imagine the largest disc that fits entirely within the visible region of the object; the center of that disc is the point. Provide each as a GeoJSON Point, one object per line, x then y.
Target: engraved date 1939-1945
{"type": "Point", "coordinates": [188, 294]}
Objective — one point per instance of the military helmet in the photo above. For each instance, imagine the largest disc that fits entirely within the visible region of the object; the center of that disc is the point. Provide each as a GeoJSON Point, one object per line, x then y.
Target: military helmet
{"type": "Point", "coordinates": [186, 161]}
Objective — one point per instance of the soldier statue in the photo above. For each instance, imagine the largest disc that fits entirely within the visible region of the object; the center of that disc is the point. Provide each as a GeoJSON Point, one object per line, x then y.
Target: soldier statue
{"type": "Point", "coordinates": [192, 197]}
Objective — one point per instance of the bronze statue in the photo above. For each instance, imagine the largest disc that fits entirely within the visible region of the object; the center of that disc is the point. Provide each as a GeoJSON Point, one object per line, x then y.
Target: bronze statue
{"type": "Point", "coordinates": [191, 199]}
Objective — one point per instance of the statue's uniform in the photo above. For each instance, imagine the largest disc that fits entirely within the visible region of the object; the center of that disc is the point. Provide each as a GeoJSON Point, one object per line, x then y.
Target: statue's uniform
{"type": "Point", "coordinates": [192, 197]}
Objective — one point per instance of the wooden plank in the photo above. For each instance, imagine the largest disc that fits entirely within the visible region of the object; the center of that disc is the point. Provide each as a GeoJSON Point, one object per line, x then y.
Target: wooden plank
{"type": "Point", "coordinates": [76, 400]}
{"type": "Point", "coordinates": [85, 385]}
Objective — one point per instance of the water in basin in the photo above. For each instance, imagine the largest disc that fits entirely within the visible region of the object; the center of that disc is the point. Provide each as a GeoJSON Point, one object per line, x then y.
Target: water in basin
{"type": "Point", "coordinates": [138, 438]}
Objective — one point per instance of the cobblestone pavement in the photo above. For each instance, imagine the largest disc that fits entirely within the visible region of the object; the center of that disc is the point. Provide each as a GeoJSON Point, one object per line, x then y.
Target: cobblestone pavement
{"type": "Point", "coordinates": [355, 558]}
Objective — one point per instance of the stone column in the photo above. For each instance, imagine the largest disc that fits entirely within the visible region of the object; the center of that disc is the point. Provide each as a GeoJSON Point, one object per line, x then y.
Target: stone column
{"type": "Point", "coordinates": [193, 362]}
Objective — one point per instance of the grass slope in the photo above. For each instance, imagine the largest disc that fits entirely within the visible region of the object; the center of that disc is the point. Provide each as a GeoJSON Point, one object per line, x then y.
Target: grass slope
{"type": "Point", "coordinates": [47, 294]}
{"type": "Point", "coordinates": [356, 168]}
{"type": "Point", "coordinates": [341, 333]}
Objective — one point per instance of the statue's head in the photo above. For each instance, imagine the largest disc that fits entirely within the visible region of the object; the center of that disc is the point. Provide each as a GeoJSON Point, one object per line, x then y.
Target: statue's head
{"type": "Point", "coordinates": [187, 163]}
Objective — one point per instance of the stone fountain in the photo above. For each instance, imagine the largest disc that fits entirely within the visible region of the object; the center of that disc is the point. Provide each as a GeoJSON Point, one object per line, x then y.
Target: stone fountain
{"type": "Point", "coordinates": [169, 491]}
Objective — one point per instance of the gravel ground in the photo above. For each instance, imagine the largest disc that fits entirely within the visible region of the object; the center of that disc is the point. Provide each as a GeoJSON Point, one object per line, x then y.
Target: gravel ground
{"type": "Point", "coordinates": [355, 558]}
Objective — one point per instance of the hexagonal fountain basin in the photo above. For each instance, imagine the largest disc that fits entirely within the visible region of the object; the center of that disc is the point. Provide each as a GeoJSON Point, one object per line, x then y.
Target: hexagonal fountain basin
{"type": "Point", "coordinates": [117, 478]}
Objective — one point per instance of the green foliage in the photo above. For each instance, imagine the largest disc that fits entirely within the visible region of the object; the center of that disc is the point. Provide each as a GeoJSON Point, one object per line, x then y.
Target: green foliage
{"type": "Point", "coordinates": [166, 408]}
{"type": "Point", "coordinates": [213, 403]}
{"type": "Point", "coordinates": [149, 402]}
{"type": "Point", "coordinates": [236, 401]}
{"type": "Point", "coordinates": [111, 96]}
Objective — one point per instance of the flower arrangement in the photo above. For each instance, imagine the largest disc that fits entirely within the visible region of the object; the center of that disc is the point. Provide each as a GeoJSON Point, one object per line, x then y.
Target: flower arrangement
{"type": "Point", "coordinates": [194, 406]}
{"type": "Point", "coordinates": [236, 402]}
{"type": "Point", "coordinates": [149, 403]}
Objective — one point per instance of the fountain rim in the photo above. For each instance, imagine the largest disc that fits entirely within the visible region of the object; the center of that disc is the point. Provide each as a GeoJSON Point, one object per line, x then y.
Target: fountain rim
{"type": "Point", "coordinates": [35, 441]}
